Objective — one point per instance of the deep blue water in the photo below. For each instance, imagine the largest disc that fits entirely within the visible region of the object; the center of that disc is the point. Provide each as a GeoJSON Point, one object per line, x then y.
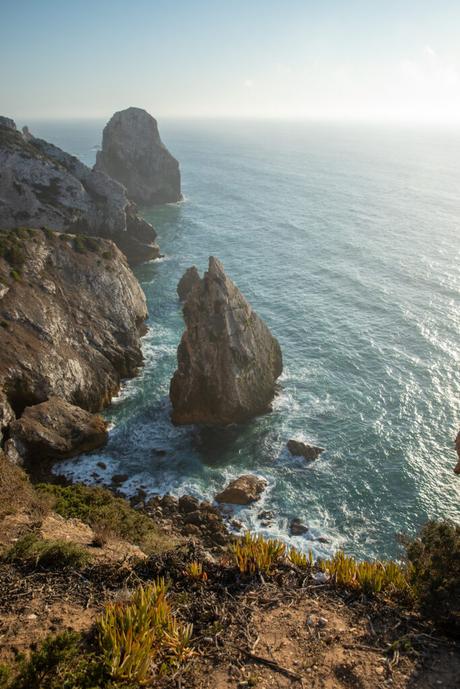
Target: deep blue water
{"type": "Point", "coordinates": [345, 240]}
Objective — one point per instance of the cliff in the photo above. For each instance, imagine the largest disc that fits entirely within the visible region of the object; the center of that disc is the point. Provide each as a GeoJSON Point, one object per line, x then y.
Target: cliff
{"type": "Point", "coordinates": [228, 361]}
{"type": "Point", "coordinates": [41, 185]}
{"type": "Point", "coordinates": [134, 154]}
{"type": "Point", "coordinates": [71, 317]}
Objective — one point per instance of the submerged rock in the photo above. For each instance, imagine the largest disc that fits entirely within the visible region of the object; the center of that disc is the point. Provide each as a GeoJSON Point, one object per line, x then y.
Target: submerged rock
{"type": "Point", "coordinates": [133, 153]}
{"type": "Point", "coordinates": [228, 361]}
{"type": "Point", "coordinates": [56, 429]}
{"type": "Point", "coordinates": [296, 527]}
{"type": "Point", "coordinates": [300, 449]}
{"type": "Point", "coordinates": [190, 278]}
{"type": "Point", "coordinates": [243, 490]}
{"type": "Point", "coordinates": [43, 186]}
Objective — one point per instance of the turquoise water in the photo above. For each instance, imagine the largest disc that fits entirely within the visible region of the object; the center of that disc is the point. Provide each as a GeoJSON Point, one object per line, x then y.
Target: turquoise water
{"type": "Point", "coordinates": [345, 240]}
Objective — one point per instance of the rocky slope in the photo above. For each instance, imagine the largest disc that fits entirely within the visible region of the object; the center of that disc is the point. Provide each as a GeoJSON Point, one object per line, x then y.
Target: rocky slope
{"type": "Point", "coordinates": [133, 153]}
{"type": "Point", "coordinates": [41, 185]}
{"type": "Point", "coordinates": [228, 361]}
{"type": "Point", "coordinates": [71, 315]}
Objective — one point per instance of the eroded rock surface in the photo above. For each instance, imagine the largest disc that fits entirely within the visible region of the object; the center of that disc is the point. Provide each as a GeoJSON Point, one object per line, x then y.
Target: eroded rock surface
{"type": "Point", "coordinates": [70, 320]}
{"type": "Point", "coordinates": [228, 361]}
{"type": "Point", "coordinates": [190, 278]}
{"type": "Point", "coordinates": [56, 429]}
{"type": "Point", "coordinates": [41, 185]}
{"type": "Point", "coordinates": [134, 154]}
{"type": "Point", "coordinates": [243, 490]}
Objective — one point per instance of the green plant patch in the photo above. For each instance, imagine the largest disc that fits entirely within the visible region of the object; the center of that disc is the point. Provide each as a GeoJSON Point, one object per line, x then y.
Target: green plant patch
{"type": "Point", "coordinates": [50, 554]}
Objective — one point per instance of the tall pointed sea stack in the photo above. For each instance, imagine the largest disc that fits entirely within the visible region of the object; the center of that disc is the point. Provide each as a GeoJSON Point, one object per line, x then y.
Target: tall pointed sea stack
{"type": "Point", "coordinates": [228, 361]}
{"type": "Point", "coordinates": [133, 154]}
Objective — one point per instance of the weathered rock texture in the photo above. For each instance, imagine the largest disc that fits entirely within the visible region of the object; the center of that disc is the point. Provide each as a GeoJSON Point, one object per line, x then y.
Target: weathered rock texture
{"type": "Point", "coordinates": [189, 279]}
{"type": "Point", "coordinates": [71, 315]}
{"type": "Point", "coordinates": [228, 361]}
{"type": "Point", "coordinates": [300, 449]}
{"type": "Point", "coordinates": [41, 185]}
{"type": "Point", "coordinates": [133, 153]}
{"type": "Point", "coordinates": [243, 490]}
{"type": "Point", "coordinates": [56, 429]}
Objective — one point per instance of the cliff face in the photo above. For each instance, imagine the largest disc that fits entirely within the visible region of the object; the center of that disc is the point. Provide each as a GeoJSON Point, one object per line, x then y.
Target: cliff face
{"type": "Point", "coordinates": [41, 185]}
{"type": "Point", "coordinates": [228, 361]}
{"type": "Point", "coordinates": [71, 315]}
{"type": "Point", "coordinates": [133, 153]}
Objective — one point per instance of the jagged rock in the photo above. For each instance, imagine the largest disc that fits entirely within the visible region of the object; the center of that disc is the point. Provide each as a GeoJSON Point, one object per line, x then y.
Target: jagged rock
{"type": "Point", "coordinates": [228, 361]}
{"type": "Point", "coordinates": [42, 186]}
{"type": "Point", "coordinates": [187, 503]}
{"type": "Point", "coordinates": [243, 490]}
{"type": "Point", "coordinates": [133, 153]}
{"type": "Point", "coordinates": [296, 527]}
{"type": "Point", "coordinates": [457, 447]}
{"type": "Point", "coordinates": [56, 429]}
{"type": "Point", "coordinates": [74, 321]}
{"type": "Point", "coordinates": [190, 278]}
{"type": "Point", "coordinates": [300, 449]}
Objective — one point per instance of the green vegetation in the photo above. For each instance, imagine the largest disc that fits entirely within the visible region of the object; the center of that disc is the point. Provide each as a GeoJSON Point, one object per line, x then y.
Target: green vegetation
{"type": "Point", "coordinates": [369, 577]}
{"type": "Point", "coordinates": [435, 578]}
{"type": "Point", "coordinates": [195, 570]}
{"type": "Point", "coordinates": [255, 554]}
{"type": "Point", "coordinates": [61, 662]}
{"type": "Point", "coordinates": [49, 554]}
{"type": "Point", "coordinates": [83, 243]}
{"type": "Point", "coordinates": [105, 513]}
{"type": "Point", "coordinates": [301, 560]}
{"type": "Point", "coordinates": [143, 636]}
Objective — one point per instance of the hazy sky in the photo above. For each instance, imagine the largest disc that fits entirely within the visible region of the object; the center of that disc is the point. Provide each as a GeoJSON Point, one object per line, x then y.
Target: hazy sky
{"type": "Point", "coordinates": [375, 59]}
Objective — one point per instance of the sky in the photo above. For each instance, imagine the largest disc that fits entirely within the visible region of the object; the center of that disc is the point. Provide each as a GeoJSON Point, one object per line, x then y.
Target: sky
{"type": "Point", "coordinates": [322, 59]}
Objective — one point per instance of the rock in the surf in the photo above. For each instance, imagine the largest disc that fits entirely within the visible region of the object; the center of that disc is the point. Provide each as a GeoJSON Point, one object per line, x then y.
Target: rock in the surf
{"type": "Point", "coordinates": [228, 360]}
{"type": "Point", "coordinates": [133, 154]}
{"type": "Point", "coordinates": [299, 449]}
{"type": "Point", "coordinates": [189, 279]}
{"type": "Point", "coordinates": [243, 490]}
{"type": "Point", "coordinates": [297, 528]}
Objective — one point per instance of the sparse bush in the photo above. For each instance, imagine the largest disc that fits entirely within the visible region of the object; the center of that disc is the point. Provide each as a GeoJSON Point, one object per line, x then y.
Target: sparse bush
{"type": "Point", "coordinates": [143, 636]}
{"type": "Point", "coordinates": [46, 553]}
{"type": "Point", "coordinates": [435, 558]}
{"type": "Point", "coordinates": [254, 554]}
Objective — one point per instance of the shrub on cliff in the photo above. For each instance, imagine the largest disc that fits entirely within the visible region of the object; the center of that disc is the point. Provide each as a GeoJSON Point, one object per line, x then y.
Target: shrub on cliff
{"type": "Point", "coordinates": [31, 549]}
{"type": "Point", "coordinates": [435, 558]}
{"type": "Point", "coordinates": [106, 513]}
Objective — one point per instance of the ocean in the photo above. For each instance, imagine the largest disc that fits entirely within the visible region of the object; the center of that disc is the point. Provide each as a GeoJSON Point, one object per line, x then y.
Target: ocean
{"type": "Point", "coordinates": [345, 239]}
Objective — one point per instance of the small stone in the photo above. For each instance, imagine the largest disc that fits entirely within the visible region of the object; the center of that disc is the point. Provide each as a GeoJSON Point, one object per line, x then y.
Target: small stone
{"type": "Point", "coordinates": [322, 622]}
{"type": "Point", "coordinates": [32, 616]}
{"type": "Point", "coordinates": [300, 449]}
{"type": "Point", "coordinates": [243, 490]}
{"type": "Point", "coordinates": [117, 479]}
{"type": "Point", "coordinates": [187, 503]}
{"type": "Point", "coordinates": [266, 515]}
{"type": "Point", "coordinates": [296, 527]}
{"type": "Point", "coordinates": [102, 465]}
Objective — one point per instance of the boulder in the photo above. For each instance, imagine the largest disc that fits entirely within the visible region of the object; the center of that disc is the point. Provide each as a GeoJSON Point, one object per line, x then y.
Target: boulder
{"type": "Point", "coordinates": [56, 429]}
{"type": "Point", "coordinates": [300, 449]}
{"type": "Point", "coordinates": [228, 361]}
{"type": "Point", "coordinates": [296, 528]}
{"type": "Point", "coordinates": [243, 490]}
{"type": "Point", "coordinates": [133, 154]}
{"type": "Point", "coordinates": [190, 278]}
{"type": "Point", "coordinates": [43, 186]}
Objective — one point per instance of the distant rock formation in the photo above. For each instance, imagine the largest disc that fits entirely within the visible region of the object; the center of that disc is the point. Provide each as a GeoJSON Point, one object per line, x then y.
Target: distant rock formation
{"type": "Point", "coordinates": [133, 153]}
{"type": "Point", "coordinates": [41, 185]}
{"type": "Point", "coordinates": [189, 279]}
{"type": "Point", "coordinates": [71, 316]}
{"type": "Point", "coordinates": [243, 490]}
{"type": "Point", "coordinates": [228, 361]}
{"type": "Point", "coordinates": [300, 449]}
{"type": "Point", "coordinates": [55, 429]}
